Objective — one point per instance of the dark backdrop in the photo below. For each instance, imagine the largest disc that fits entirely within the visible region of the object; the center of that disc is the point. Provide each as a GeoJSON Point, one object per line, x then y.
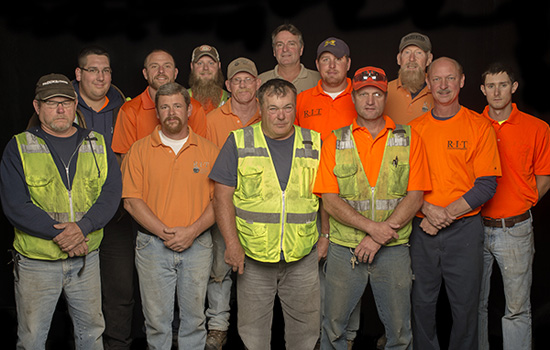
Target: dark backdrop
{"type": "Point", "coordinates": [40, 37]}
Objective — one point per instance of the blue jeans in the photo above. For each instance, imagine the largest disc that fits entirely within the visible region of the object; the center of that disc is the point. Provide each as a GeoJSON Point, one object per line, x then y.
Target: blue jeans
{"type": "Point", "coordinates": [219, 285]}
{"type": "Point", "coordinates": [38, 286]}
{"type": "Point", "coordinates": [390, 276]}
{"type": "Point", "coordinates": [163, 274]}
{"type": "Point", "coordinates": [297, 284]}
{"type": "Point", "coordinates": [513, 248]}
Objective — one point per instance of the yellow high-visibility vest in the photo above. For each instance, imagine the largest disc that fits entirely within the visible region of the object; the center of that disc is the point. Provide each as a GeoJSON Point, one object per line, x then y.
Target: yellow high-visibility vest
{"type": "Point", "coordinates": [49, 193]}
{"type": "Point", "coordinates": [376, 203]}
{"type": "Point", "coordinates": [270, 221]}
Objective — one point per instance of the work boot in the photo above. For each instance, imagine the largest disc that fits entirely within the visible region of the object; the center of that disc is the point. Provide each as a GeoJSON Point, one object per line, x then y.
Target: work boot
{"type": "Point", "coordinates": [215, 340]}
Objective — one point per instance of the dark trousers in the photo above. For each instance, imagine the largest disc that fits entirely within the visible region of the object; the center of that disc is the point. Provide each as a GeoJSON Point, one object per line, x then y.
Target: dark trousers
{"type": "Point", "coordinates": [116, 255]}
{"type": "Point", "coordinates": [455, 256]}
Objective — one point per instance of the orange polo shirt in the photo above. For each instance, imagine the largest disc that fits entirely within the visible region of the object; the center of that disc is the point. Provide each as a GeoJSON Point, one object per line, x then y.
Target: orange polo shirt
{"type": "Point", "coordinates": [371, 152]}
{"type": "Point", "coordinates": [524, 147]}
{"type": "Point", "coordinates": [401, 107]}
{"type": "Point", "coordinates": [317, 111]}
{"type": "Point", "coordinates": [221, 121]}
{"type": "Point", "coordinates": [175, 187]}
{"type": "Point", "coordinates": [459, 149]}
{"type": "Point", "coordinates": [138, 117]}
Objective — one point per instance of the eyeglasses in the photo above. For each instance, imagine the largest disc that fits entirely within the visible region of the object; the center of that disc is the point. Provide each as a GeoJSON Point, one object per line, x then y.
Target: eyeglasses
{"type": "Point", "coordinates": [55, 104]}
{"type": "Point", "coordinates": [247, 81]}
{"type": "Point", "coordinates": [374, 75]}
{"type": "Point", "coordinates": [96, 71]}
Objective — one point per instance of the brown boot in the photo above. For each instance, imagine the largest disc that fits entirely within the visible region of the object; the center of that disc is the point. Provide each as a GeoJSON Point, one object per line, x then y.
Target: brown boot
{"type": "Point", "coordinates": [215, 340]}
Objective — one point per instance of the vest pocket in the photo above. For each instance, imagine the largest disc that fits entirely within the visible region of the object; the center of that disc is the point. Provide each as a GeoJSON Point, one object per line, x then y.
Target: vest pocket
{"type": "Point", "coordinates": [347, 181]}
{"type": "Point", "coordinates": [398, 179]}
{"type": "Point", "coordinates": [38, 181]}
{"type": "Point", "coordinates": [306, 182]}
{"type": "Point", "coordinates": [250, 182]}
{"type": "Point", "coordinates": [253, 237]}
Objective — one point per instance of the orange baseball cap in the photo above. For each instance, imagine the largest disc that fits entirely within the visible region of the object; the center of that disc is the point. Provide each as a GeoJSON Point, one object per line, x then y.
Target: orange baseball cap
{"type": "Point", "coordinates": [370, 76]}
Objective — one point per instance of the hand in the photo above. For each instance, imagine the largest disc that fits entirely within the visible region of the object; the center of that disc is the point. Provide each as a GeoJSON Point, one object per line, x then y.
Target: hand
{"type": "Point", "coordinates": [178, 238]}
{"type": "Point", "coordinates": [80, 250]}
{"type": "Point", "coordinates": [367, 249]}
{"type": "Point", "coordinates": [438, 216]}
{"type": "Point", "coordinates": [70, 237]}
{"type": "Point", "coordinates": [322, 248]}
{"type": "Point", "coordinates": [234, 257]}
{"type": "Point", "coordinates": [383, 232]}
{"type": "Point", "coordinates": [428, 227]}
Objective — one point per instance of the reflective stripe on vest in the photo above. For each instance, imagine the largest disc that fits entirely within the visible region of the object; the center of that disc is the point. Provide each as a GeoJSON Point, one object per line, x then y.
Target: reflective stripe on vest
{"type": "Point", "coordinates": [268, 219]}
{"type": "Point", "coordinates": [49, 193]}
{"type": "Point", "coordinates": [376, 203]}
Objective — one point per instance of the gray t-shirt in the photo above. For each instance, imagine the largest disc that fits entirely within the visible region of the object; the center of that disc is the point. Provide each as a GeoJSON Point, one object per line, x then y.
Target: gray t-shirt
{"type": "Point", "coordinates": [224, 170]}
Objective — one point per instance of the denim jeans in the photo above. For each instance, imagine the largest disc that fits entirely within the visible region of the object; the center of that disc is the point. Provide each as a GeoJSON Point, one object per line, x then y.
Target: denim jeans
{"type": "Point", "coordinates": [513, 248]}
{"type": "Point", "coordinates": [390, 276]}
{"type": "Point", "coordinates": [163, 274]}
{"type": "Point", "coordinates": [219, 285]}
{"type": "Point", "coordinates": [297, 284]}
{"type": "Point", "coordinates": [355, 318]}
{"type": "Point", "coordinates": [38, 286]}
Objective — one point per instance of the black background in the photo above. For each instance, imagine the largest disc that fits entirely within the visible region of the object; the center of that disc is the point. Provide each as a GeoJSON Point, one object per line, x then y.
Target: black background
{"type": "Point", "coordinates": [40, 37]}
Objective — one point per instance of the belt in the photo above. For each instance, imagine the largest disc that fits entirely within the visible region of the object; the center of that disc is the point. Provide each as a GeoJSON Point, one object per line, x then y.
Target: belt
{"type": "Point", "coordinates": [506, 222]}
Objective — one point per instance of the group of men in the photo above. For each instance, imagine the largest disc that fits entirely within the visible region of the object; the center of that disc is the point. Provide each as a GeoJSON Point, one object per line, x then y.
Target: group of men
{"type": "Point", "coordinates": [301, 184]}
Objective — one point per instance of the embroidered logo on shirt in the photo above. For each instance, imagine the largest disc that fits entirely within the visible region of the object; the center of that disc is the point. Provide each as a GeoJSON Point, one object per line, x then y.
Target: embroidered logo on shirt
{"type": "Point", "coordinates": [312, 112]}
{"type": "Point", "coordinates": [200, 167]}
{"type": "Point", "coordinates": [425, 107]}
{"type": "Point", "coordinates": [458, 145]}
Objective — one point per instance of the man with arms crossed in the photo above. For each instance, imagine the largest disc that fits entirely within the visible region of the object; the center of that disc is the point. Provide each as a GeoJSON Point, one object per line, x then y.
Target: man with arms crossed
{"type": "Point", "coordinates": [167, 191]}
{"type": "Point", "coordinates": [447, 237]}
{"type": "Point", "coordinates": [523, 144]}
{"type": "Point", "coordinates": [267, 214]}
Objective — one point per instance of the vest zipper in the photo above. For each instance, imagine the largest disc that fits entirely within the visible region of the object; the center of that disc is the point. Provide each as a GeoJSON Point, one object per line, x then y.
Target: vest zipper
{"type": "Point", "coordinates": [283, 219]}
{"type": "Point", "coordinates": [373, 203]}
{"type": "Point", "coordinates": [69, 184]}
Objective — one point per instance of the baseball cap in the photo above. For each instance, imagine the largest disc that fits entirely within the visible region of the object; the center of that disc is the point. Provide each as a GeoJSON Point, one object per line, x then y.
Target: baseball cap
{"type": "Point", "coordinates": [52, 85]}
{"type": "Point", "coordinates": [335, 46]}
{"type": "Point", "coordinates": [370, 76]}
{"type": "Point", "coordinates": [203, 50]}
{"type": "Point", "coordinates": [241, 64]}
{"type": "Point", "coordinates": [417, 39]}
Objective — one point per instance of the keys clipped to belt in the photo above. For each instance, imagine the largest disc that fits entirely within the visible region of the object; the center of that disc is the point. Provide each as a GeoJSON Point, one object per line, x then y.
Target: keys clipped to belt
{"type": "Point", "coordinates": [353, 260]}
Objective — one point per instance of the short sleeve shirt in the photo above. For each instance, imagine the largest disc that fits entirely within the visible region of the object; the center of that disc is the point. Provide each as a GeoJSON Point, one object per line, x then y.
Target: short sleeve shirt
{"type": "Point", "coordinates": [137, 118]}
{"type": "Point", "coordinates": [371, 152]}
{"type": "Point", "coordinates": [460, 149]}
{"type": "Point", "coordinates": [524, 147]}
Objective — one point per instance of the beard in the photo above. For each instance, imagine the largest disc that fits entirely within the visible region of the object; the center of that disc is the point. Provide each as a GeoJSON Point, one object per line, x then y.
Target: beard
{"type": "Point", "coordinates": [412, 80]}
{"type": "Point", "coordinates": [207, 91]}
{"type": "Point", "coordinates": [172, 128]}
